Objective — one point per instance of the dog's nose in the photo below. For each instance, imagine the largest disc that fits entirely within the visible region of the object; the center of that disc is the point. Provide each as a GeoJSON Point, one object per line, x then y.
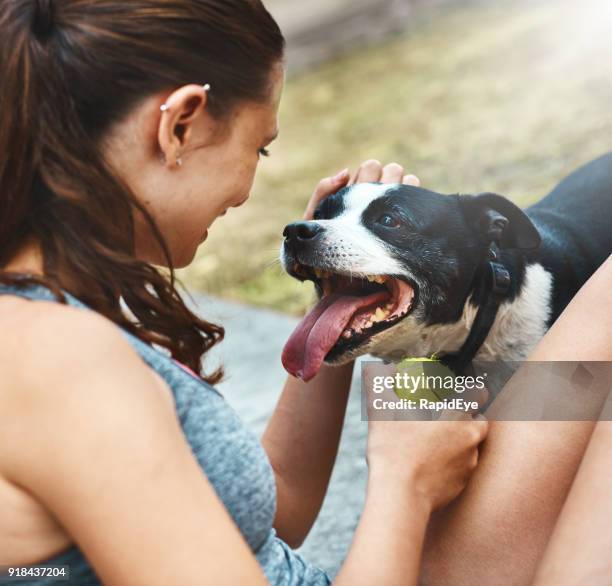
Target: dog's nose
{"type": "Point", "coordinates": [300, 231]}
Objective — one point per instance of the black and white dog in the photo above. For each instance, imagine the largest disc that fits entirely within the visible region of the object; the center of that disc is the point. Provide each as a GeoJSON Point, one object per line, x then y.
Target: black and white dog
{"type": "Point", "coordinates": [402, 271]}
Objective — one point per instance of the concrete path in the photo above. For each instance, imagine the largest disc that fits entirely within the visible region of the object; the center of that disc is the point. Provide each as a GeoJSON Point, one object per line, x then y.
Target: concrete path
{"type": "Point", "coordinates": [254, 379]}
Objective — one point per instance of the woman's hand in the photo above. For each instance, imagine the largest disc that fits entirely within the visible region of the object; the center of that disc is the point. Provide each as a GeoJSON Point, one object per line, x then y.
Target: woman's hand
{"type": "Point", "coordinates": [370, 171]}
{"type": "Point", "coordinates": [415, 468]}
{"type": "Point", "coordinates": [432, 459]}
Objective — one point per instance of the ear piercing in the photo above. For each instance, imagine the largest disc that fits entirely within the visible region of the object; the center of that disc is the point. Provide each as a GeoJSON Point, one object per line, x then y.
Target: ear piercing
{"type": "Point", "coordinates": [165, 107]}
{"type": "Point", "coordinates": [162, 160]}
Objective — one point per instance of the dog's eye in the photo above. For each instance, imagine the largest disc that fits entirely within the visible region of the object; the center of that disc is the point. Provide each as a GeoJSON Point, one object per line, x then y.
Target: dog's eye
{"type": "Point", "coordinates": [388, 221]}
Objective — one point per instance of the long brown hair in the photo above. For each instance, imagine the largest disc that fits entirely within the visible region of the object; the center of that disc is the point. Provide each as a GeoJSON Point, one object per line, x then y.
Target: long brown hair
{"type": "Point", "coordinates": [69, 70]}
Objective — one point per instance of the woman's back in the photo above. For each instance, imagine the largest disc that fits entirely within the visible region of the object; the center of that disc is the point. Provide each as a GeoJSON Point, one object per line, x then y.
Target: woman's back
{"type": "Point", "coordinates": [231, 456]}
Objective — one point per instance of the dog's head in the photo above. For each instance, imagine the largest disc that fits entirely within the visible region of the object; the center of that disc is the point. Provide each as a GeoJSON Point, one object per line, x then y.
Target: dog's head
{"type": "Point", "coordinates": [386, 258]}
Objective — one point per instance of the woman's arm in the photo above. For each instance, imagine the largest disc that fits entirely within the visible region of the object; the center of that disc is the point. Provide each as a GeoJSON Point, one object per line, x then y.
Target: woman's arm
{"type": "Point", "coordinates": [303, 434]}
{"type": "Point", "coordinates": [497, 531]}
{"type": "Point", "coordinates": [301, 441]}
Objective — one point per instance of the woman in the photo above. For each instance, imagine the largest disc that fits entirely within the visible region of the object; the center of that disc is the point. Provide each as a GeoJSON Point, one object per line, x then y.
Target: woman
{"type": "Point", "coordinates": [126, 128]}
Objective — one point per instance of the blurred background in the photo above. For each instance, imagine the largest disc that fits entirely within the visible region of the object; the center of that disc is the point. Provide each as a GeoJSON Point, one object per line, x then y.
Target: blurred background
{"type": "Point", "coordinates": [506, 96]}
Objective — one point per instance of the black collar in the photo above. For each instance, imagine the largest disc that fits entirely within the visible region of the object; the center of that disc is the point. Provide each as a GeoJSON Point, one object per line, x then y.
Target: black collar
{"type": "Point", "coordinates": [496, 284]}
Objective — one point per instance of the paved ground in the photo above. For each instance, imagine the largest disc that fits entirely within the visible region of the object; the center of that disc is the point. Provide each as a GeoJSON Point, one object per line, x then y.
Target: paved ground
{"type": "Point", "coordinates": [251, 355]}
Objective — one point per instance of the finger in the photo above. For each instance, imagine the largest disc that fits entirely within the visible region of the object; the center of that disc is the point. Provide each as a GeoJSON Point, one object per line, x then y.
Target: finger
{"type": "Point", "coordinates": [325, 188]}
{"type": "Point", "coordinates": [392, 173]}
{"type": "Point", "coordinates": [369, 172]}
{"type": "Point", "coordinates": [411, 180]}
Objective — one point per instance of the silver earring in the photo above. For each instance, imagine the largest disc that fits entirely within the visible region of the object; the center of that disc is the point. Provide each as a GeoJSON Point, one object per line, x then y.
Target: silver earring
{"type": "Point", "coordinates": [179, 161]}
{"type": "Point", "coordinates": [165, 107]}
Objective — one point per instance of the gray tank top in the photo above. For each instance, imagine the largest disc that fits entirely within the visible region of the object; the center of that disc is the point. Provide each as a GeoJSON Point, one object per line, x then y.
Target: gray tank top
{"type": "Point", "coordinates": [229, 454]}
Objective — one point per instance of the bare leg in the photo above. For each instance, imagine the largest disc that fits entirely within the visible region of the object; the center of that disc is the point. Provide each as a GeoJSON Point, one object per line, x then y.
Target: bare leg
{"type": "Point", "coordinates": [497, 531]}
{"type": "Point", "coordinates": [579, 550]}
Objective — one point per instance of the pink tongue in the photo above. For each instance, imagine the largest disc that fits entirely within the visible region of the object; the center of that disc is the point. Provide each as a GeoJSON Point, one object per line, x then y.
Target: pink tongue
{"type": "Point", "coordinates": [317, 333]}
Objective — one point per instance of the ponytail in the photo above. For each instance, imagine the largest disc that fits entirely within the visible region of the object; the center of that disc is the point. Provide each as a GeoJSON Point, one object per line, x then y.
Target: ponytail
{"type": "Point", "coordinates": [18, 125]}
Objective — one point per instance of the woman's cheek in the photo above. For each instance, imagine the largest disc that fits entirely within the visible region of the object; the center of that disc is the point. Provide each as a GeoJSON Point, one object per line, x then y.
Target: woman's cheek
{"type": "Point", "coordinates": [249, 178]}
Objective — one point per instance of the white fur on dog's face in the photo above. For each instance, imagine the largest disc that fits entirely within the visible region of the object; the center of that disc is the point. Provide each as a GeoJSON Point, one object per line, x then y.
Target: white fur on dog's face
{"type": "Point", "coordinates": [351, 248]}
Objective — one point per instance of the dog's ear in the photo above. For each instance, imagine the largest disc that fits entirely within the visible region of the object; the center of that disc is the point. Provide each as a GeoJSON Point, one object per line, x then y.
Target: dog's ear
{"type": "Point", "coordinates": [497, 219]}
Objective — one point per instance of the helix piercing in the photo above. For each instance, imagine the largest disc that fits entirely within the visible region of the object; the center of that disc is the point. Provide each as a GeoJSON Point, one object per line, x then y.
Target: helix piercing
{"type": "Point", "coordinates": [165, 107]}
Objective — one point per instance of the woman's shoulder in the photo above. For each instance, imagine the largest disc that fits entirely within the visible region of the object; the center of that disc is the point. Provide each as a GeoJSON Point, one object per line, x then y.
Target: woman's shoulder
{"type": "Point", "coordinates": [48, 350]}
{"type": "Point", "coordinates": [39, 335]}
{"type": "Point", "coordinates": [65, 367]}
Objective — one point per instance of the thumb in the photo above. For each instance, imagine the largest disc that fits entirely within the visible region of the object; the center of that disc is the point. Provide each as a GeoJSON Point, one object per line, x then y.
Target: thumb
{"type": "Point", "coordinates": [325, 188]}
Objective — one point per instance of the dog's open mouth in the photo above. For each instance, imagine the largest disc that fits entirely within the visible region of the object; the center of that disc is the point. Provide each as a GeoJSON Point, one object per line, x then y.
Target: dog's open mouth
{"type": "Point", "coordinates": [351, 310]}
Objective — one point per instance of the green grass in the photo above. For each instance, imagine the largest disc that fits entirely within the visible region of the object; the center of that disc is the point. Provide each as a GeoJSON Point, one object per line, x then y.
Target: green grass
{"type": "Point", "coordinates": [507, 97]}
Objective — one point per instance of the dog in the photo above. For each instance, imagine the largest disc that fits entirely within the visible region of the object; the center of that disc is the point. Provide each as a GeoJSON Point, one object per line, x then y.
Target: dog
{"type": "Point", "coordinates": [401, 271]}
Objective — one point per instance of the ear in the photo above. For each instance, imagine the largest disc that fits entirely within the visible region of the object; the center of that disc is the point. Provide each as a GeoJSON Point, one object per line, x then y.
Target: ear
{"type": "Point", "coordinates": [180, 111]}
{"type": "Point", "coordinates": [496, 218]}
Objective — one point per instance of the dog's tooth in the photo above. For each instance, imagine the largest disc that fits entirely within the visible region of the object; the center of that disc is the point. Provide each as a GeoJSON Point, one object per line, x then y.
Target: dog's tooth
{"type": "Point", "coordinates": [379, 315]}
